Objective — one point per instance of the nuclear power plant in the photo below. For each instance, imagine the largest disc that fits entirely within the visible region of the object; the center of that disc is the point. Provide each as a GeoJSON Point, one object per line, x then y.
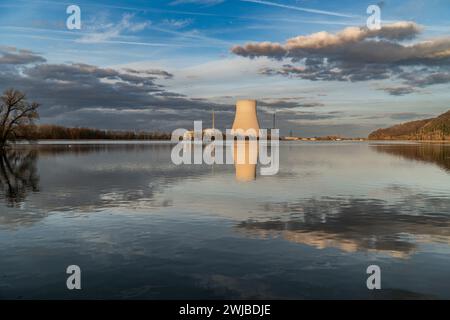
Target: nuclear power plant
{"type": "Point", "coordinates": [244, 145]}
{"type": "Point", "coordinates": [246, 117]}
{"type": "Point", "coordinates": [245, 122]}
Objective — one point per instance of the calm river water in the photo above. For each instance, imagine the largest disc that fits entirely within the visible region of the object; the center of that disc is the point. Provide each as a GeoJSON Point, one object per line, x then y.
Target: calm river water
{"type": "Point", "coordinates": [141, 227]}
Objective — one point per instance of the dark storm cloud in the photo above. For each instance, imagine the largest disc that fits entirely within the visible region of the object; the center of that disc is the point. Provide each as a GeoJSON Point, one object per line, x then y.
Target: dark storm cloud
{"type": "Point", "coordinates": [90, 96]}
{"type": "Point", "coordinates": [14, 56]}
{"type": "Point", "coordinates": [357, 54]}
{"type": "Point", "coordinates": [346, 72]}
{"type": "Point", "coordinates": [85, 95]}
{"type": "Point", "coordinates": [88, 74]}
{"type": "Point", "coordinates": [430, 79]}
{"type": "Point", "coordinates": [156, 72]}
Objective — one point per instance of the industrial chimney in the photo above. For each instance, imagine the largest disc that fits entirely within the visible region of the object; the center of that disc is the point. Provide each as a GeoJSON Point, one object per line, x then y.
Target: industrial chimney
{"type": "Point", "coordinates": [246, 117]}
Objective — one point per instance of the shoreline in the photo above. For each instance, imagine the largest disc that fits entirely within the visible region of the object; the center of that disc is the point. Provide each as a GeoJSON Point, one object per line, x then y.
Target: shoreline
{"type": "Point", "coordinates": [56, 142]}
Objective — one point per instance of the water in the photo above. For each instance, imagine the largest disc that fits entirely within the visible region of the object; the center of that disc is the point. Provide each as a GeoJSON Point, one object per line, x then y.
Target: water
{"type": "Point", "coordinates": [140, 227]}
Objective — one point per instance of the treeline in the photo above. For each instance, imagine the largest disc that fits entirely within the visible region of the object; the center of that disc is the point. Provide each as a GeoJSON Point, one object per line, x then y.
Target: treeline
{"type": "Point", "coordinates": [49, 132]}
{"type": "Point", "coordinates": [408, 130]}
{"type": "Point", "coordinates": [437, 129]}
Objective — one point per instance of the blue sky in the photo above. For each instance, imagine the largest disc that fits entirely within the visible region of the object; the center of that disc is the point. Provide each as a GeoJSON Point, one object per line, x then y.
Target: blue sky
{"type": "Point", "coordinates": [189, 43]}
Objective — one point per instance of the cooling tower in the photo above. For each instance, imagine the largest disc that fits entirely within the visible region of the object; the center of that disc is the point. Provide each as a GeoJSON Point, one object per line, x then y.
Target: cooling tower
{"type": "Point", "coordinates": [246, 117]}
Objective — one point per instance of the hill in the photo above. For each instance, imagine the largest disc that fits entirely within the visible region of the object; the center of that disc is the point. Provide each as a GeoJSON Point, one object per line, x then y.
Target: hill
{"type": "Point", "coordinates": [429, 129]}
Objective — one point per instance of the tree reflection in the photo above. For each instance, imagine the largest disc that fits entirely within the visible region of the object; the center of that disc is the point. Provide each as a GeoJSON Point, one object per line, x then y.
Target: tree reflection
{"type": "Point", "coordinates": [438, 154]}
{"type": "Point", "coordinates": [18, 175]}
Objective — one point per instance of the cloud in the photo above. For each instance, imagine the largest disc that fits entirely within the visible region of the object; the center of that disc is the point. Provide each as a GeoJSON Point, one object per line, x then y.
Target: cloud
{"type": "Point", "coordinates": [303, 9]}
{"type": "Point", "coordinates": [133, 97]}
{"type": "Point", "coordinates": [156, 72]}
{"type": "Point", "coordinates": [417, 79]}
{"type": "Point", "coordinates": [399, 91]}
{"type": "Point", "coordinates": [351, 35]}
{"type": "Point", "coordinates": [106, 32]}
{"type": "Point", "coordinates": [408, 116]}
{"type": "Point", "coordinates": [201, 2]}
{"type": "Point", "coordinates": [144, 96]}
{"type": "Point", "coordinates": [79, 94]}
{"type": "Point", "coordinates": [261, 49]}
{"type": "Point", "coordinates": [288, 104]}
{"type": "Point", "coordinates": [351, 40]}
{"type": "Point", "coordinates": [316, 71]}
{"type": "Point", "coordinates": [358, 54]}
{"type": "Point", "coordinates": [177, 23]}
{"type": "Point", "coordinates": [14, 56]}
{"type": "Point", "coordinates": [295, 116]}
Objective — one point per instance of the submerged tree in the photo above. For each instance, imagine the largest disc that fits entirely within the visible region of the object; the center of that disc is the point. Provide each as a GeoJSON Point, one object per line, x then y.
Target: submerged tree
{"type": "Point", "coordinates": [17, 116]}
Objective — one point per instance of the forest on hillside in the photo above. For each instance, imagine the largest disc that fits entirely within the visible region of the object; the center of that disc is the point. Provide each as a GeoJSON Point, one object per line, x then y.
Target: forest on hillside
{"type": "Point", "coordinates": [434, 129]}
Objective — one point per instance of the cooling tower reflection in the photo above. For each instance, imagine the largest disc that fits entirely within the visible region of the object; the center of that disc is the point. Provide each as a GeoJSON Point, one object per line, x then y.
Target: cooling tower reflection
{"type": "Point", "coordinates": [245, 155]}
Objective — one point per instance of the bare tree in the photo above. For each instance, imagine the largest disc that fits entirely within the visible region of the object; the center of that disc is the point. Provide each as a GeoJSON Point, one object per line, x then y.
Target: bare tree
{"type": "Point", "coordinates": [16, 116]}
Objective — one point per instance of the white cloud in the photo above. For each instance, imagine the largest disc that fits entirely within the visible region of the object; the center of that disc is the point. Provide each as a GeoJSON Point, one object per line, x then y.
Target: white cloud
{"type": "Point", "coordinates": [107, 32]}
{"type": "Point", "coordinates": [177, 23]}
{"type": "Point", "coordinates": [295, 8]}
{"type": "Point", "coordinates": [202, 2]}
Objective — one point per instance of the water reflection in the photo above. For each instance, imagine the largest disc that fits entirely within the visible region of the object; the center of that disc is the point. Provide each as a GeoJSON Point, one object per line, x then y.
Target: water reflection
{"type": "Point", "coordinates": [84, 179]}
{"type": "Point", "coordinates": [242, 154]}
{"type": "Point", "coordinates": [91, 178]}
{"type": "Point", "coordinates": [433, 153]}
{"type": "Point", "coordinates": [18, 175]}
{"type": "Point", "coordinates": [352, 225]}
{"type": "Point", "coordinates": [245, 158]}
{"type": "Point", "coordinates": [143, 227]}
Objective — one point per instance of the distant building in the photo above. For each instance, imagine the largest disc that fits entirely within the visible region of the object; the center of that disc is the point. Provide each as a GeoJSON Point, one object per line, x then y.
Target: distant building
{"type": "Point", "coordinates": [188, 135]}
{"type": "Point", "coordinates": [212, 132]}
{"type": "Point", "coordinates": [206, 133]}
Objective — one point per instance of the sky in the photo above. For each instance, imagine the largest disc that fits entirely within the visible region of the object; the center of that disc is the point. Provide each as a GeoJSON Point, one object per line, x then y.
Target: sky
{"type": "Point", "coordinates": [160, 65]}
